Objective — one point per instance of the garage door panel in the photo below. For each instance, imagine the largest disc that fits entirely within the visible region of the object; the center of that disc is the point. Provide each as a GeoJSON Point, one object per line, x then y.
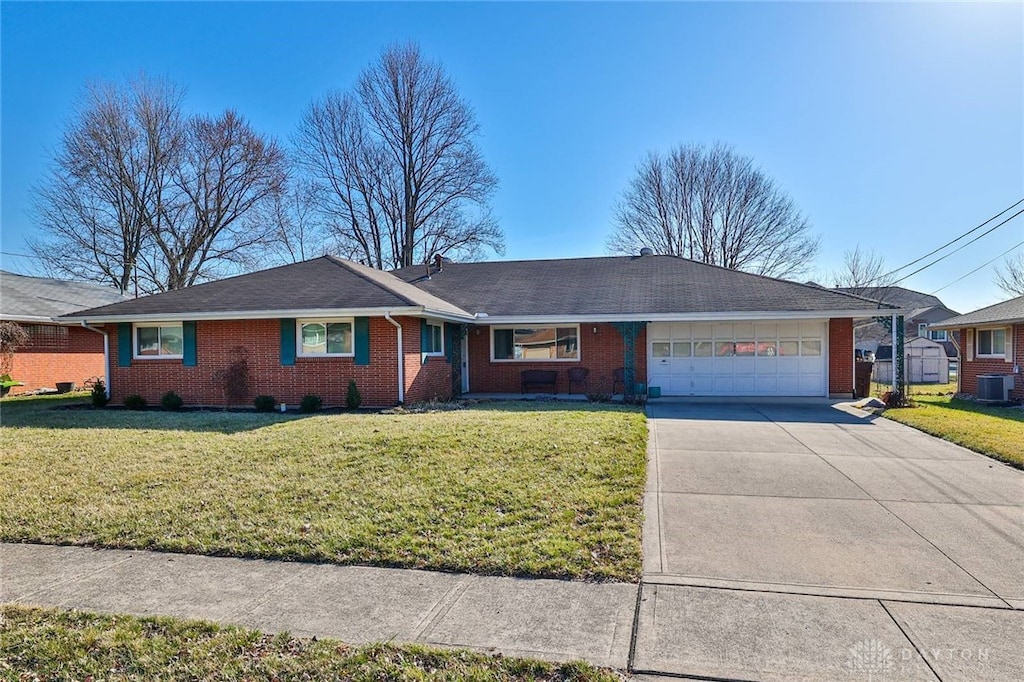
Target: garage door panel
{"type": "Point", "coordinates": [742, 358]}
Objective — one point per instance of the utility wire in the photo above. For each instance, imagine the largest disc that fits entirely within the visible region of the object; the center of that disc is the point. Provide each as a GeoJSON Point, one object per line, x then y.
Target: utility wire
{"type": "Point", "coordinates": [18, 255]}
{"type": "Point", "coordinates": [951, 242]}
{"type": "Point", "coordinates": [1015, 246]}
{"type": "Point", "coordinates": [959, 248]}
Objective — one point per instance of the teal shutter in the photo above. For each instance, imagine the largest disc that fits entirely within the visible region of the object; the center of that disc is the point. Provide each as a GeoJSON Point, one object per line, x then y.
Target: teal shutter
{"type": "Point", "coordinates": [424, 340]}
{"type": "Point", "coordinates": [287, 341]}
{"type": "Point", "coordinates": [188, 353]}
{"type": "Point", "coordinates": [124, 344]}
{"type": "Point", "coordinates": [362, 340]}
{"type": "Point", "coordinates": [449, 340]}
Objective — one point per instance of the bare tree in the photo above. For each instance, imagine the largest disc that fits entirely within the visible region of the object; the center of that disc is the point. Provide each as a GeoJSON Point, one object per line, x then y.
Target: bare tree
{"type": "Point", "coordinates": [862, 269]}
{"type": "Point", "coordinates": [96, 207]}
{"type": "Point", "coordinates": [142, 196]}
{"type": "Point", "coordinates": [225, 170]}
{"type": "Point", "coordinates": [396, 163]}
{"type": "Point", "coordinates": [1010, 277]}
{"type": "Point", "coordinates": [299, 230]}
{"type": "Point", "coordinates": [713, 205]}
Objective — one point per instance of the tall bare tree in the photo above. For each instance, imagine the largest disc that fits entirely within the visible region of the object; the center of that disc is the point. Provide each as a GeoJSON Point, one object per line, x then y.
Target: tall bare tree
{"type": "Point", "coordinates": [1010, 277]}
{"type": "Point", "coordinates": [713, 205]}
{"type": "Point", "coordinates": [97, 206]}
{"type": "Point", "coordinates": [397, 166]}
{"type": "Point", "coordinates": [862, 269]}
{"type": "Point", "coordinates": [300, 232]}
{"type": "Point", "coordinates": [141, 195]}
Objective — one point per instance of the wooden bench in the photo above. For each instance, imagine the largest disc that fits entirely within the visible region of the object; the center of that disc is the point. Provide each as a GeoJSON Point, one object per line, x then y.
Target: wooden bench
{"type": "Point", "coordinates": [539, 378]}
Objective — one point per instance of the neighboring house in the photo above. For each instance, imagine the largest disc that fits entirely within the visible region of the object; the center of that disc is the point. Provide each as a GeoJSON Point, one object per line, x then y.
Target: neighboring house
{"type": "Point", "coordinates": [992, 343]}
{"type": "Point", "coordinates": [433, 331]}
{"type": "Point", "coordinates": [57, 351]}
{"type": "Point", "coordinates": [922, 310]}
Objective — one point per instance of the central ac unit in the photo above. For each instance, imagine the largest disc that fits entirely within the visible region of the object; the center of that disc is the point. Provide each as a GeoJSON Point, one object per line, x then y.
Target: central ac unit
{"type": "Point", "coordinates": [995, 387]}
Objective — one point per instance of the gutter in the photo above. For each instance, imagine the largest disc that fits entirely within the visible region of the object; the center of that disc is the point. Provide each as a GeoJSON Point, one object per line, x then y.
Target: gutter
{"type": "Point", "coordinates": [412, 311]}
{"type": "Point", "coordinates": [106, 356]}
{"type": "Point", "coordinates": [401, 358]}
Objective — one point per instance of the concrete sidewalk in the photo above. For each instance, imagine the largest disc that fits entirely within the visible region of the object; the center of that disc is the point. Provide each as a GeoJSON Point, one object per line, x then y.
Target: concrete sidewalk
{"type": "Point", "coordinates": [548, 619]}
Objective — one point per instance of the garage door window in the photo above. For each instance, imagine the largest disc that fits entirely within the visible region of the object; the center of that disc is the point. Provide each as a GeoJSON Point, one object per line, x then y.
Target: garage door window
{"type": "Point", "coordinates": [660, 350]}
{"type": "Point", "coordinates": [789, 348]}
{"type": "Point", "coordinates": [702, 349]}
{"type": "Point", "coordinates": [810, 347]}
{"type": "Point", "coordinates": [766, 349]}
{"type": "Point", "coordinates": [745, 349]}
{"type": "Point", "coordinates": [681, 349]}
{"type": "Point", "coordinates": [724, 349]}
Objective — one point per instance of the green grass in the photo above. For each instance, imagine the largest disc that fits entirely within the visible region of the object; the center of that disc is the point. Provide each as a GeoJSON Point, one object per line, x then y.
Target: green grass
{"type": "Point", "coordinates": [68, 645]}
{"type": "Point", "coordinates": [535, 489]}
{"type": "Point", "coordinates": [994, 431]}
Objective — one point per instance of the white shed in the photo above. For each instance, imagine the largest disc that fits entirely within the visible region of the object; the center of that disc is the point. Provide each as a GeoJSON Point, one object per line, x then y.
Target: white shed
{"type": "Point", "coordinates": [926, 363]}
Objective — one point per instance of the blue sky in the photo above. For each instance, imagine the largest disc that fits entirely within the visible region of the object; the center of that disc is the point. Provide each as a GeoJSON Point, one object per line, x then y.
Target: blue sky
{"type": "Point", "coordinates": [896, 126]}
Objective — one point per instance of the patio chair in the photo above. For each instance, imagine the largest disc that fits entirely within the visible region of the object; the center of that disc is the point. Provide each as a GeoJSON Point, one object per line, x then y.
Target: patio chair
{"type": "Point", "coordinates": [578, 375]}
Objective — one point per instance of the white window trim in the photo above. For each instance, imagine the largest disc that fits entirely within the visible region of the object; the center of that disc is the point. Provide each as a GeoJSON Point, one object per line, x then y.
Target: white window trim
{"type": "Point", "coordinates": [943, 332]}
{"type": "Point", "coordinates": [977, 344]}
{"type": "Point", "coordinates": [135, 340]}
{"type": "Point", "coordinates": [922, 329]}
{"type": "Point", "coordinates": [440, 353]}
{"type": "Point", "coordinates": [324, 321]}
{"type": "Point", "coordinates": [545, 325]}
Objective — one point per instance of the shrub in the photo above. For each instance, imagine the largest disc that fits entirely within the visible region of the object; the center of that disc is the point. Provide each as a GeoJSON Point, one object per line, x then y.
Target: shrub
{"type": "Point", "coordinates": [310, 403]}
{"type": "Point", "coordinates": [171, 401]}
{"type": "Point", "coordinates": [233, 380]}
{"type": "Point", "coordinates": [99, 395]}
{"type": "Point", "coordinates": [352, 398]}
{"type": "Point", "coordinates": [264, 403]}
{"type": "Point", "coordinates": [135, 402]}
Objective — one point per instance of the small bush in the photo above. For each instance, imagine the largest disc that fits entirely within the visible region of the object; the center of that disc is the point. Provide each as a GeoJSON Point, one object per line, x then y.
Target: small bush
{"type": "Point", "coordinates": [264, 403]}
{"type": "Point", "coordinates": [99, 395]}
{"type": "Point", "coordinates": [310, 403]}
{"type": "Point", "coordinates": [135, 402]}
{"type": "Point", "coordinates": [171, 401]}
{"type": "Point", "coordinates": [352, 399]}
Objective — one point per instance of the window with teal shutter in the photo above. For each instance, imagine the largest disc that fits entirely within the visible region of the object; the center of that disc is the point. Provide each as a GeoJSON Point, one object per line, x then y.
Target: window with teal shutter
{"type": "Point", "coordinates": [124, 344]}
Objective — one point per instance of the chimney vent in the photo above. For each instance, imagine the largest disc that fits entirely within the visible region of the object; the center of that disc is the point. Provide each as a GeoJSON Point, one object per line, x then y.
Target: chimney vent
{"type": "Point", "coordinates": [646, 251]}
{"type": "Point", "coordinates": [439, 262]}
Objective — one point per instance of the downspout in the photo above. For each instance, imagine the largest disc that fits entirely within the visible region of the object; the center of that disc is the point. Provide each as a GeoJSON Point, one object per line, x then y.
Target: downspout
{"type": "Point", "coordinates": [106, 356]}
{"type": "Point", "coordinates": [401, 358]}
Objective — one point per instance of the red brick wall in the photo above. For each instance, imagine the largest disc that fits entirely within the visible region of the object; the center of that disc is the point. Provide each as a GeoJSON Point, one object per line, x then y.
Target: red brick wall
{"type": "Point", "coordinates": [75, 358]}
{"type": "Point", "coordinates": [424, 380]}
{"type": "Point", "coordinates": [971, 367]}
{"type": "Point", "coordinates": [326, 377]}
{"type": "Point", "coordinates": [600, 353]}
{"type": "Point", "coordinates": [840, 356]}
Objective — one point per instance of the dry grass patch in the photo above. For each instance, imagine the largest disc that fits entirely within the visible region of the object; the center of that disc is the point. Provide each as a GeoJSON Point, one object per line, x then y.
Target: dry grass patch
{"type": "Point", "coordinates": [44, 644]}
{"type": "Point", "coordinates": [536, 489]}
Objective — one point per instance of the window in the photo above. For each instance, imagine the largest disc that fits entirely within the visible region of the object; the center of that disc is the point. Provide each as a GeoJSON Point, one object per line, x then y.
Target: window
{"type": "Point", "coordinates": [939, 335]}
{"type": "Point", "coordinates": [810, 347]}
{"type": "Point", "coordinates": [535, 343]}
{"type": "Point", "coordinates": [325, 338]}
{"type": "Point", "coordinates": [433, 340]}
{"type": "Point", "coordinates": [158, 340]}
{"type": "Point", "coordinates": [702, 349]}
{"type": "Point", "coordinates": [922, 329]}
{"type": "Point", "coordinates": [661, 349]}
{"type": "Point", "coordinates": [681, 349]}
{"type": "Point", "coordinates": [991, 343]}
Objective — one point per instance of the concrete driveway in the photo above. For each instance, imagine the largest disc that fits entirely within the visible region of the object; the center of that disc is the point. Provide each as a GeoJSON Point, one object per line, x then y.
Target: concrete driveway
{"type": "Point", "coordinates": [803, 539]}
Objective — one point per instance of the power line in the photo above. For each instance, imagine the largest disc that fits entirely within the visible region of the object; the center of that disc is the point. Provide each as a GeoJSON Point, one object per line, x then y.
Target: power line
{"type": "Point", "coordinates": [959, 248]}
{"type": "Point", "coordinates": [951, 242]}
{"type": "Point", "coordinates": [1015, 246]}
{"type": "Point", "coordinates": [18, 255]}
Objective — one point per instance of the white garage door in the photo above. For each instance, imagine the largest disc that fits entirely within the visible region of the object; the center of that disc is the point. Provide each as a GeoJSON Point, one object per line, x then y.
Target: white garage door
{"type": "Point", "coordinates": [742, 358]}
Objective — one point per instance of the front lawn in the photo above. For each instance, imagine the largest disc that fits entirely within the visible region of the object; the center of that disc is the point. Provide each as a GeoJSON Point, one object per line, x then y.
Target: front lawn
{"type": "Point", "coordinates": [994, 431]}
{"type": "Point", "coordinates": [541, 489]}
{"type": "Point", "coordinates": [44, 644]}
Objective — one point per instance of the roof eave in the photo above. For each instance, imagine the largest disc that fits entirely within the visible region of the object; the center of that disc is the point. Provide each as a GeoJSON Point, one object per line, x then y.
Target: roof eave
{"type": "Point", "coordinates": [952, 324]}
{"type": "Point", "coordinates": [416, 311]}
{"type": "Point", "coordinates": [687, 317]}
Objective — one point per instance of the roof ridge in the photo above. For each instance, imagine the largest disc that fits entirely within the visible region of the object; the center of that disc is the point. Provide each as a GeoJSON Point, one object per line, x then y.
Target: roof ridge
{"type": "Point", "coordinates": [344, 263]}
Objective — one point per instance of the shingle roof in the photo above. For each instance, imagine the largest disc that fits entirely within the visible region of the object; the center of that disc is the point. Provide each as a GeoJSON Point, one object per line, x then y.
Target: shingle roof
{"type": "Point", "coordinates": [34, 298]}
{"type": "Point", "coordinates": [638, 285]}
{"type": "Point", "coordinates": [896, 296]}
{"type": "Point", "coordinates": [325, 283]}
{"type": "Point", "coordinates": [1005, 312]}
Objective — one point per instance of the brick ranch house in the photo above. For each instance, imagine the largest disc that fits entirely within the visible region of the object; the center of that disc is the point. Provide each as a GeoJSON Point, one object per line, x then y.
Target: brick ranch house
{"type": "Point", "coordinates": [991, 342]}
{"type": "Point", "coordinates": [57, 351]}
{"type": "Point", "coordinates": [435, 331]}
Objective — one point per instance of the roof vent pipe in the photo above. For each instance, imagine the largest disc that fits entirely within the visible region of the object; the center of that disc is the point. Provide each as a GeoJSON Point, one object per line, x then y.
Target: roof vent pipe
{"type": "Point", "coordinates": [646, 251]}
